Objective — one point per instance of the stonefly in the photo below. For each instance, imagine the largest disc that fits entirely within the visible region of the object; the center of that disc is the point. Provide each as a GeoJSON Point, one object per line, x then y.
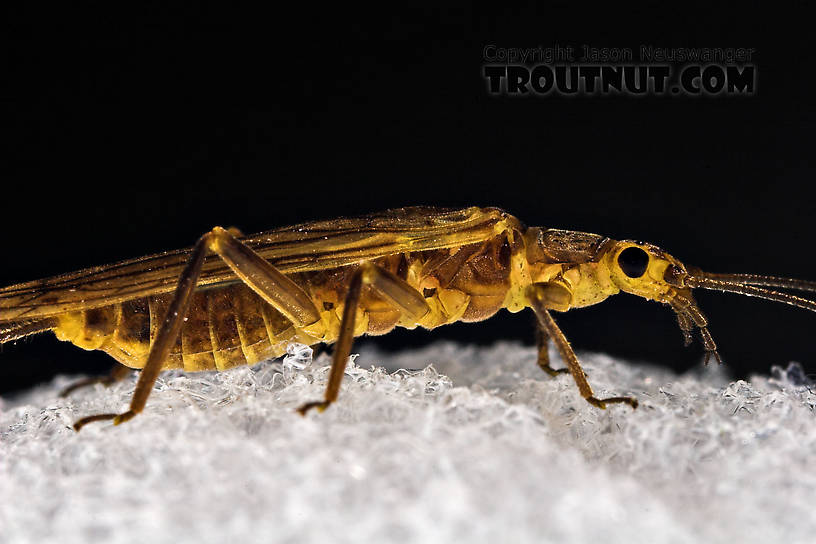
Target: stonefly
{"type": "Point", "coordinates": [233, 299]}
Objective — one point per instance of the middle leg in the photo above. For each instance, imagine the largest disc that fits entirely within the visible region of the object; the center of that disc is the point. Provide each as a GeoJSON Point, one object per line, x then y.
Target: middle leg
{"type": "Point", "coordinates": [543, 340]}
{"type": "Point", "coordinates": [399, 293]}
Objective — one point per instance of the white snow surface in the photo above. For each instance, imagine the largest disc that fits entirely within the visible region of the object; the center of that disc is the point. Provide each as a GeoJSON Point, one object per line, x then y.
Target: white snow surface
{"type": "Point", "coordinates": [481, 446]}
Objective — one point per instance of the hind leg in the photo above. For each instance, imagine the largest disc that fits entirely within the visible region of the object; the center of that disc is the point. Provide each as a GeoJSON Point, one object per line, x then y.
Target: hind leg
{"type": "Point", "coordinates": [117, 373]}
{"type": "Point", "coordinates": [256, 272]}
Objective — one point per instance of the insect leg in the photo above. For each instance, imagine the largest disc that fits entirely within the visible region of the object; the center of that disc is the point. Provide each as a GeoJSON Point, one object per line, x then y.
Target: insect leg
{"type": "Point", "coordinates": [395, 290]}
{"type": "Point", "coordinates": [262, 277]}
{"type": "Point", "coordinates": [117, 373]}
{"type": "Point", "coordinates": [165, 338]}
{"type": "Point", "coordinates": [281, 292]}
{"type": "Point", "coordinates": [542, 339]}
{"type": "Point", "coordinates": [538, 297]}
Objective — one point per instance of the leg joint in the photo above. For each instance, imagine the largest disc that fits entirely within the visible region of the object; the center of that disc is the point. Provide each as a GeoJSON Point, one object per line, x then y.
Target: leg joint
{"type": "Point", "coordinates": [553, 295]}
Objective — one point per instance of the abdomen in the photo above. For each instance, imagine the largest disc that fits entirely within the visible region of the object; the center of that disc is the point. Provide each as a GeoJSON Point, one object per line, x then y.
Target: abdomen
{"type": "Point", "coordinates": [225, 327]}
{"type": "Point", "coordinates": [230, 325]}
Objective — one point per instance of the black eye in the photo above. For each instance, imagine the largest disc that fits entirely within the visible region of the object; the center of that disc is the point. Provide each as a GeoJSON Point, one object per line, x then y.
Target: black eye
{"type": "Point", "coordinates": [633, 261]}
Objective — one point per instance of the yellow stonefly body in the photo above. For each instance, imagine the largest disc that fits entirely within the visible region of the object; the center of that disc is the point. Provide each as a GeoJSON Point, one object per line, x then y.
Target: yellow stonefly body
{"type": "Point", "coordinates": [234, 299]}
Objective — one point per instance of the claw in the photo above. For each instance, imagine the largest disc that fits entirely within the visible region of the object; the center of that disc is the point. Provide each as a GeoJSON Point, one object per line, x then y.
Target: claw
{"type": "Point", "coordinates": [320, 405]}
{"type": "Point", "coordinates": [601, 403]}
{"type": "Point", "coordinates": [553, 372]}
{"type": "Point", "coordinates": [117, 419]}
{"type": "Point", "coordinates": [90, 419]}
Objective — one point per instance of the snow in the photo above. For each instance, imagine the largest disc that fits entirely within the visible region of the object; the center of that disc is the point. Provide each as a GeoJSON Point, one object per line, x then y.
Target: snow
{"type": "Point", "coordinates": [482, 446]}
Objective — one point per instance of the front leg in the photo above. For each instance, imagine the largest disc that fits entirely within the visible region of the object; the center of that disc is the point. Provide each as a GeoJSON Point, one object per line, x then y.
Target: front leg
{"type": "Point", "coordinates": [542, 340]}
{"type": "Point", "coordinates": [543, 296]}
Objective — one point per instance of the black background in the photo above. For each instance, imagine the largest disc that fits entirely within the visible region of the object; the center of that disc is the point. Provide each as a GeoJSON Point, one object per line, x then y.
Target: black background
{"type": "Point", "coordinates": [133, 131]}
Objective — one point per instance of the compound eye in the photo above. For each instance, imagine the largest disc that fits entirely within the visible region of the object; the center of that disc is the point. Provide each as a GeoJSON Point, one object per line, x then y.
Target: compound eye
{"type": "Point", "coordinates": [633, 261]}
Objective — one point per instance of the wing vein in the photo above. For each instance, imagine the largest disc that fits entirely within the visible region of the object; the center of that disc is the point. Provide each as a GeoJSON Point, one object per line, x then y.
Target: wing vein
{"type": "Point", "coordinates": [309, 246]}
